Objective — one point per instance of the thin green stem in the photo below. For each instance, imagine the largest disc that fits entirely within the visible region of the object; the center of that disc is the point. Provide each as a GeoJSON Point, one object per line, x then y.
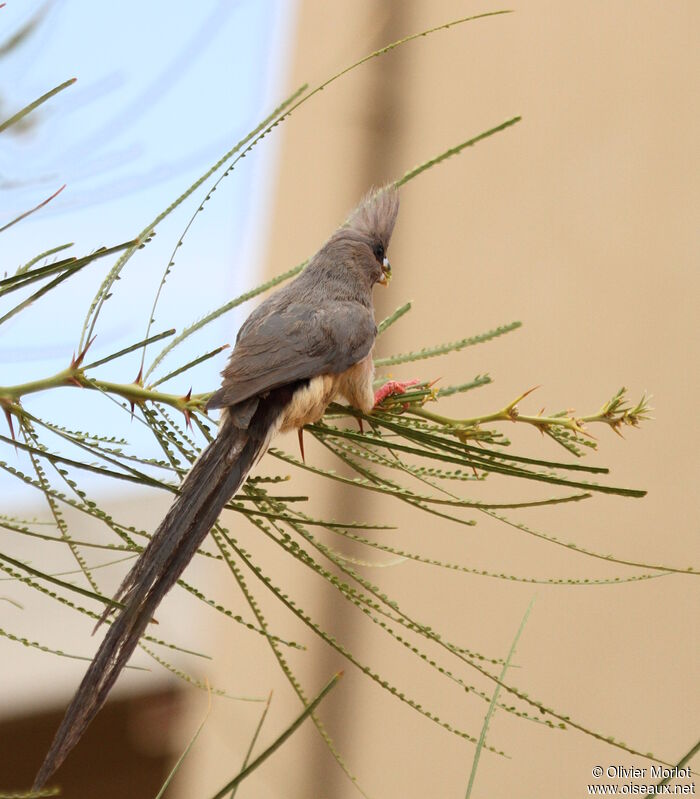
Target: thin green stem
{"type": "Point", "coordinates": [614, 413]}
{"type": "Point", "coordinates": [76, 377]}
{"type": "Point", "coordinates": [308, 710]}
{"type": "Point", "coordinates": [29, 108]}
{"type": "Point", "coordinates": [679, 765]}
{"type": "Point", "coordinates": [494, 700]}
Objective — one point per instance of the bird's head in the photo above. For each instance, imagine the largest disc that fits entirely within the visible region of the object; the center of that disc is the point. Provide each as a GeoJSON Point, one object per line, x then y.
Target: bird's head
{"type": "Point", "coordinates": [355, 256]}
{"type": "Point", "coordinates": [370, 225]}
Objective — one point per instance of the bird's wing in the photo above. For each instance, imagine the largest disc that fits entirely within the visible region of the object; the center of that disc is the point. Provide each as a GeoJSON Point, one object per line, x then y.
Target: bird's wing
{"type": "Point", "coordinates": [294, 343]}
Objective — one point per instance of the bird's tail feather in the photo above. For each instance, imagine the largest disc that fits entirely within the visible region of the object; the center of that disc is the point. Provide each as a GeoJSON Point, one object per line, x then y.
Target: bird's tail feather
{"type": "Point", "coordinates": [213, 480]}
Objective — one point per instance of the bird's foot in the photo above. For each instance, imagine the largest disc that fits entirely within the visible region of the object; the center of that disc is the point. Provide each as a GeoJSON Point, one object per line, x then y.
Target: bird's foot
{"type": "Point", "coordinates": [392, 388]}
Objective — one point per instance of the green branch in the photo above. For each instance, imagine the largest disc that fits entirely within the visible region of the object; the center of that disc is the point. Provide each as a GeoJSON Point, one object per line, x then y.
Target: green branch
{"type": "Point", "coordinates": [135, 393]}
{"type": "Point", "coordinates": [29, 108]}
{"type": "Point", "coordinates": [615, 413]}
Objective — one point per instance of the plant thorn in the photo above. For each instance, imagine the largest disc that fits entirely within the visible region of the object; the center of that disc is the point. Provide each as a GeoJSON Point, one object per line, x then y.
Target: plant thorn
{"type": "Point", "coordinates": [8, 416]}
{"type": "Point", "coordinates": [75, 362]}
{"type": "Point", "coordinates": [523, 395]}
{"type": "Point", "coordinates": [616, 428]}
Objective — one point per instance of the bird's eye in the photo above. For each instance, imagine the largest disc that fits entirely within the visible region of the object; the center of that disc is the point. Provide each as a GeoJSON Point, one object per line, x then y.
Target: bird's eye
{"type": "Point", "coordinates": [378, 251]}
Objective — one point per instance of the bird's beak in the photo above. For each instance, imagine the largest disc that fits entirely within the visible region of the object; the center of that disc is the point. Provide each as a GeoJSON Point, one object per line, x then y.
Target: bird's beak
{"type": "Point", "coordinates": [386, 272]}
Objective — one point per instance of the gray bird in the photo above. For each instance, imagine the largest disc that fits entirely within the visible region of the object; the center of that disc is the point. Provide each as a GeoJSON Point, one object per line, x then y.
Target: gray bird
{"type": "Point", "coordinates": [307, 344]}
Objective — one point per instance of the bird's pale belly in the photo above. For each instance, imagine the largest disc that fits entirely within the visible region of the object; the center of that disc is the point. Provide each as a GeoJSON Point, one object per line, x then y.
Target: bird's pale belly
{"type": "Point", "coordinates": [309, 403]}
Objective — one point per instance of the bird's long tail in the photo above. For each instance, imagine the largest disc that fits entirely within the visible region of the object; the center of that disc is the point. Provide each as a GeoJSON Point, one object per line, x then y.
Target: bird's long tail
{"type": "Point", "coordinates": [213, 480]}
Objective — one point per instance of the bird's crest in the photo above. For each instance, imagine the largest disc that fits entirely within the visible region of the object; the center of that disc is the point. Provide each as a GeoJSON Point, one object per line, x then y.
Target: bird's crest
{"type": "Point", "coordinates": [375, 215]}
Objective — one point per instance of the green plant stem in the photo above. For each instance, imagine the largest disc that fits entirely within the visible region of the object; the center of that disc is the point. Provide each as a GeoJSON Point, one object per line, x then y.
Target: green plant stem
{"type": "Point", "coordinates": [29, 108]}
{"type": "Point", "coordinates": [510, 413]}
{"type": "Point", "coordinates": [253, 741]}
{"type": "Point", "coordinates": [679, 765]}
{"type": "Point", "coordinates": [308, 710]}
{"type": "Point", "coordinates": [76, 377]}
{"type": "Point", "coordinates": [494, 700]}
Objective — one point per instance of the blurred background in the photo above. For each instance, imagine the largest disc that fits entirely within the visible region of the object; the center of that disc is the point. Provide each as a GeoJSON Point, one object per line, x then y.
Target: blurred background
{"type": "Point", "coordinates": [581, 221]}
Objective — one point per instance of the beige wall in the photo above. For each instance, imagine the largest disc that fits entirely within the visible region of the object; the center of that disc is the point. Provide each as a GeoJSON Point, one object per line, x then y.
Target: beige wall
{"type": "Point", "coordinates": [582, 222]}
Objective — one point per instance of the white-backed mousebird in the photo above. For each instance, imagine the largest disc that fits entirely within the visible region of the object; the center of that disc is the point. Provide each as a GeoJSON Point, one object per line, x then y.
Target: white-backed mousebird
{"type": "Point", "coordinates": [307, 344]}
